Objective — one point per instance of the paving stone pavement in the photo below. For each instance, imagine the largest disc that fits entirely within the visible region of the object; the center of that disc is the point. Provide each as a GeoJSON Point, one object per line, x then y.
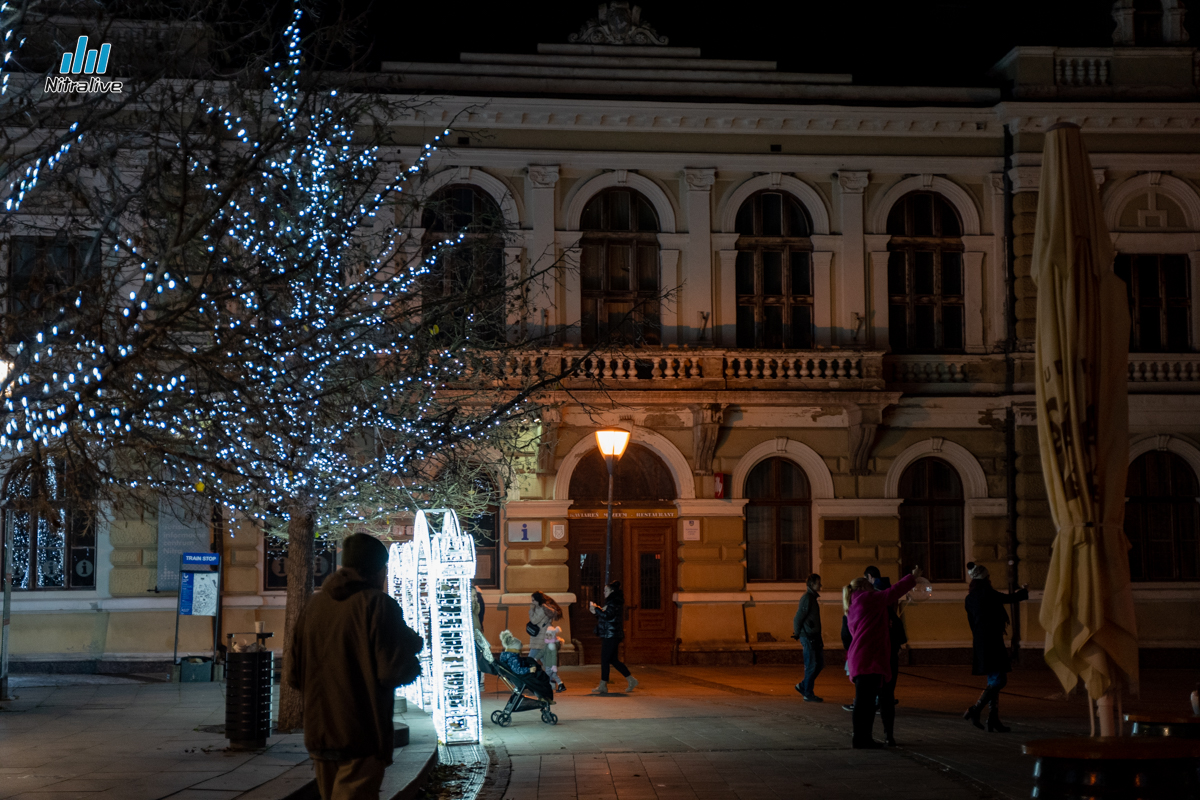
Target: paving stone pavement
{"type": "Point", "coordinates": [703, 733]}
{"type": "Point", "coordinates": [687, 733]}
{"type": "Point", "coordinates": [86, 737]}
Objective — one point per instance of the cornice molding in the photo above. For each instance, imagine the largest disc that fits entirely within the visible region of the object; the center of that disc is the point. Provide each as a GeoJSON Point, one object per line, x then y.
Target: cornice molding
{"type": "Point", "coordinates": [1162, 117]}
{"type": "Point", "coordinates": [740, 118]}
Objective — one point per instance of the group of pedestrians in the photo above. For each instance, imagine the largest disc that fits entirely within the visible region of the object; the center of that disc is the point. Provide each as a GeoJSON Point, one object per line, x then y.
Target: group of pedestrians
{"type": "Point", "coordinates": [873, 634]}
{"type": "Point", "coordinates": [545, 639]}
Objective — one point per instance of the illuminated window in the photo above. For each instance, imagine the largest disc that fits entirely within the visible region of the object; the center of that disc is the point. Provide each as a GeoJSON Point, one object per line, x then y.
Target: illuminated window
{"type": "Point", "coordinates": [773, 273]}
{"type": "Point", "coordinates": [931, 520]}
{"type": "Point", "coordinates": [1160, 305]}
{"type": "Point", "coordinates": [618, 267]}
{"type": "Point", "coordinates": [778, 514]}
{"type": "Point", "coordinates": [925, 276]}
{"type": "Point", "coordinates": [54, 534]}
{"type": "Point", "coordinates": [1162, 519]}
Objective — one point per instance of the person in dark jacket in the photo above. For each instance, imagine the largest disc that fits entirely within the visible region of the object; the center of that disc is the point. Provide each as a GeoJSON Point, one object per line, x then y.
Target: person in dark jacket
{"type": "Point", "coordinates": [989, 622]}
{"type": "Point", "coordinates": [807, 628]}
{"type": "Point", "coordinates": [349, 651]}
{"type": "Point", "coordinates": [610, 627]}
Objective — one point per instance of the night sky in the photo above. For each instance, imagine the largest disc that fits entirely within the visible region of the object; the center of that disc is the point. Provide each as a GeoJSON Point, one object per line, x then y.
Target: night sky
{"type": "Point", "coordinates": [931, 42]}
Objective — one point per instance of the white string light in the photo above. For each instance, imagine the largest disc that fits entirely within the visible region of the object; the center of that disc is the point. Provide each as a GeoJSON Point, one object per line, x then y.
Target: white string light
{"type": "Point", "coordinates": [430, 577]}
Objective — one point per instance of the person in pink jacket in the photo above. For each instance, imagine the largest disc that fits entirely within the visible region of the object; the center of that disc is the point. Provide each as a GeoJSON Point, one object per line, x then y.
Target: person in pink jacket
{"type": "Point", "coordinates": [869, 659]}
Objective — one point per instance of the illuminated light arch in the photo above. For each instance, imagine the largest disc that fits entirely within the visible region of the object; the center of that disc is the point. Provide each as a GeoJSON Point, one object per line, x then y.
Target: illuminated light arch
{"type": "Point", "coordinates": [430, 577]}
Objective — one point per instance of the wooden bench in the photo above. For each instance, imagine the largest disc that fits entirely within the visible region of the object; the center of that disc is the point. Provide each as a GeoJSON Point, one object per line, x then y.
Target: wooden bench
{"type": "Point", "coordinates": [1164, 725]}
{"type": "Point", "coordinates": [1116, 768]}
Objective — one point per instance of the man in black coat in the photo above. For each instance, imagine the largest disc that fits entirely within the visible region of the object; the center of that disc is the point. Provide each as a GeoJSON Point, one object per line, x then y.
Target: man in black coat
{"type": "Point", "coordinates": [350, 650]}
{"type": "Point", "coordinates": [989, 622]}
{"type": "Point", "coordinates": [807, 628]}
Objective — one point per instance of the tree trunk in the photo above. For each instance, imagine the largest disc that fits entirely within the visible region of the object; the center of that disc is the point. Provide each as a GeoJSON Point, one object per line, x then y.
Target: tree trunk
{"type": "Point", "coordinates": [299, 590]}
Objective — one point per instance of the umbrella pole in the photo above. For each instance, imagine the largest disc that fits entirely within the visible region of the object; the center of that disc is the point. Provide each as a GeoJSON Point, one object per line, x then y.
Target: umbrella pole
{"type": "Point", "coordinates": [1107, 711]}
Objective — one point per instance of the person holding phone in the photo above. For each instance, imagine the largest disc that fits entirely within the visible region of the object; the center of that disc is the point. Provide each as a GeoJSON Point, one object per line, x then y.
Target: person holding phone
{"type": "Point", "coordinates": [610, 627]}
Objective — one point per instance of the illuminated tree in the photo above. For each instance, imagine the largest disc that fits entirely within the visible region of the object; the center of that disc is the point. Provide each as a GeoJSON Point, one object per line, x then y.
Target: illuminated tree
{"type": "Point", "coordinates": [258, 331]}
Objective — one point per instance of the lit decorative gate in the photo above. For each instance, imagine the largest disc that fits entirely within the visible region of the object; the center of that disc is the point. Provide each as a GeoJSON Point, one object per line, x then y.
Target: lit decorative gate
{"type": "Point", "coordinates": [431, 579]}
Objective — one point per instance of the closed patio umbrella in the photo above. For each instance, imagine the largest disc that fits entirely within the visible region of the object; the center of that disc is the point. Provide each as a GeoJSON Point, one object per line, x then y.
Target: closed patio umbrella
{"type": "Point", "coordinates": [1082, 354]}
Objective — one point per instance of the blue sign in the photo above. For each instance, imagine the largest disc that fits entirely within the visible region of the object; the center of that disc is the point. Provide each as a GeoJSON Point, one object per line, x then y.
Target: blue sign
{"type": "Point", "coordinates": [198, 594]}
{"type": "Point", "coordinates": [200, 559]}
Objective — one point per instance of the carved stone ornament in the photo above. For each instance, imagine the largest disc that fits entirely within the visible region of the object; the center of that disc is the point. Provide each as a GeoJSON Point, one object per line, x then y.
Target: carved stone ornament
{"type": "Point", "coordinates": [864, 421]}
{"type": "Point", "coordinates": [699, 180]}
{"type": "Point", "coordinates": [548, 443]}
{"type": "Point", "coordinates": [853, 182]}
{"type": "Point", "coordinates": [543, 176]}
{"type": "Point", "coordinates": [617, 23]}
{"type": "Point", "coordinates": [706, 429]}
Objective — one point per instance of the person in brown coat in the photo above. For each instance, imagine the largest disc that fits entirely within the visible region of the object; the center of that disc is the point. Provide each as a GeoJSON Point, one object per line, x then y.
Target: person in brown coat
{"type": "Point", "coordinates": [348, 653]}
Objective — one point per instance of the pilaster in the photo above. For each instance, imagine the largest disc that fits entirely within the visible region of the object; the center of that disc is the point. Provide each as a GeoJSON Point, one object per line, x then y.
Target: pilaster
{"type": "Point", "coordinates": [852, 284]}
{"type": "Point", "coordinates": [695, 294]}
{"type": "Point", "coordinates": [877, 314]}
{"type": "Point", "coordinates": [725, 287]}
{"type": "Point", "coordinates": [542, 252]}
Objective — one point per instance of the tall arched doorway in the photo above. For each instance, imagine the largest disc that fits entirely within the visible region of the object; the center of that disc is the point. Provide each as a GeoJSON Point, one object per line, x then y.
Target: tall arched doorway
{"type": "Point", "coordinates": [643, 551]}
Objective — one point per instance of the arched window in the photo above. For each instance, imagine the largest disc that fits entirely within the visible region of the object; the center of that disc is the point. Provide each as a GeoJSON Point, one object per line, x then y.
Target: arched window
{"type": "Point", "coordinates": [931, 520]}
{"type": "Point", "coordinates": [773, 274]}
{"type": "Point", "coordinates": [466, 282]}
{"type": "Point", "coordinates": [1161, 518]}
{"type": "Point", "coordinates": [925, 275]}
{"type": "Point", "coordinates": [618, 267]}
{"type": "Point", "coordinates": [49, 507]}
{"type": "Point", "coordinates": [778, 515]}
{"type": "Point", "coordinates": [1160, 305]}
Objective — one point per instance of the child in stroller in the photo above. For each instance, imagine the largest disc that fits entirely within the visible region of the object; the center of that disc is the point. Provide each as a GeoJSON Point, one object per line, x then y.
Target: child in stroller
{"type": "Point", "coordinates": [529, 683]}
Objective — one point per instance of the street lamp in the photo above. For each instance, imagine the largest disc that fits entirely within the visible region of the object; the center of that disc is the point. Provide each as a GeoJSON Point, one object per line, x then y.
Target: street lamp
{"type": "Point", "coordinates": [612, 442]}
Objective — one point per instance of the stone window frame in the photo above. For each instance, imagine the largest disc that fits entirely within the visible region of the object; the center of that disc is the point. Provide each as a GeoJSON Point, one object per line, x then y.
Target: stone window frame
{"type": "Point", "coordinates": [983, 259]}
{"type": "Point", "coordinates": [646, 321]}
{"type": "Point", "coordinates": [820, 484]}
{"type": "Point", "coordinates": [903, 250]}
{"type": "Point", "coordinates": [1188, 590]}
{"type": "Point", "coordinates": [755, 245]}
{"type": "Point", "coordinates": [976, 502]}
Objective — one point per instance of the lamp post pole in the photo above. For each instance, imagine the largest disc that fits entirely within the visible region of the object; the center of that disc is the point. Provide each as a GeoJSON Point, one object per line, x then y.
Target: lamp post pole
{"type": "Point", "coordinates": [612, 442]}
{"type": "Point", "coordinates": [609, 459]}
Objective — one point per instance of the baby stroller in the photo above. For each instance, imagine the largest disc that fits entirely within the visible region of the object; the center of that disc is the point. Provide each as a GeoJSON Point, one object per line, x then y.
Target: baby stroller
{"type": "Point", "coordinates": [526, 695]}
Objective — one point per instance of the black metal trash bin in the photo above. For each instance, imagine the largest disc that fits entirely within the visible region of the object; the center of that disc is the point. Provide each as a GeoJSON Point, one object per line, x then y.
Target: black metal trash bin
{"type": "Point", "coordinates": [248, 699]}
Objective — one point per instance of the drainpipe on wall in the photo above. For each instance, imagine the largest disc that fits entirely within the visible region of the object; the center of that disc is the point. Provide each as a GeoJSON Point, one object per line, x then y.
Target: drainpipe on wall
{"type": "Point", "coordinates": [1010, 369]}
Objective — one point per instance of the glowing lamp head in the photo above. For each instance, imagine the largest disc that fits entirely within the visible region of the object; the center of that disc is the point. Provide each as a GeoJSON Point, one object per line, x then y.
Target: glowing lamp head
{"type": "Point", "coordinates": [612, 442]}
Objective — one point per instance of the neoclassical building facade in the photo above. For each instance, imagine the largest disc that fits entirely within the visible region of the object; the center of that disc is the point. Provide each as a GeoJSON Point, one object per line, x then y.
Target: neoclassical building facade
{"type": "Point", "coordinates": [826, 292]}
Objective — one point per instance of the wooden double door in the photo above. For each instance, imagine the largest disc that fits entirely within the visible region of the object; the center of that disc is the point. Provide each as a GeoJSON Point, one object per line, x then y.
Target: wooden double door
{"type": "Point", "coordinates": [644, 562]}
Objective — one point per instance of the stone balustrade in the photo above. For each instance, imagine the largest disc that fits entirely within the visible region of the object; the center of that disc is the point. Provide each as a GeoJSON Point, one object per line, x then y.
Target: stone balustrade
{"type": "Point", "coordinates": [715, 369]}
{"type": "Point", "coordinates": [1082, 70]}
{"type": "Point", "coordinates": [705, 368]}
{"type": "Point", "coordinates": [1158, 368]}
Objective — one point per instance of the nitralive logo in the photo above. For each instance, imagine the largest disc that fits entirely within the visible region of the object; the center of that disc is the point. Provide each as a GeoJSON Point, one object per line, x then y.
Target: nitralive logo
{"type": "Point", "coordinates": [85, 62]}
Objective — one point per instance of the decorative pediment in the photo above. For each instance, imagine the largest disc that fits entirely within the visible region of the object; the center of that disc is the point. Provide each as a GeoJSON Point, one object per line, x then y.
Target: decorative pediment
{"type": "Point", "coordinates": [617, 23]}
